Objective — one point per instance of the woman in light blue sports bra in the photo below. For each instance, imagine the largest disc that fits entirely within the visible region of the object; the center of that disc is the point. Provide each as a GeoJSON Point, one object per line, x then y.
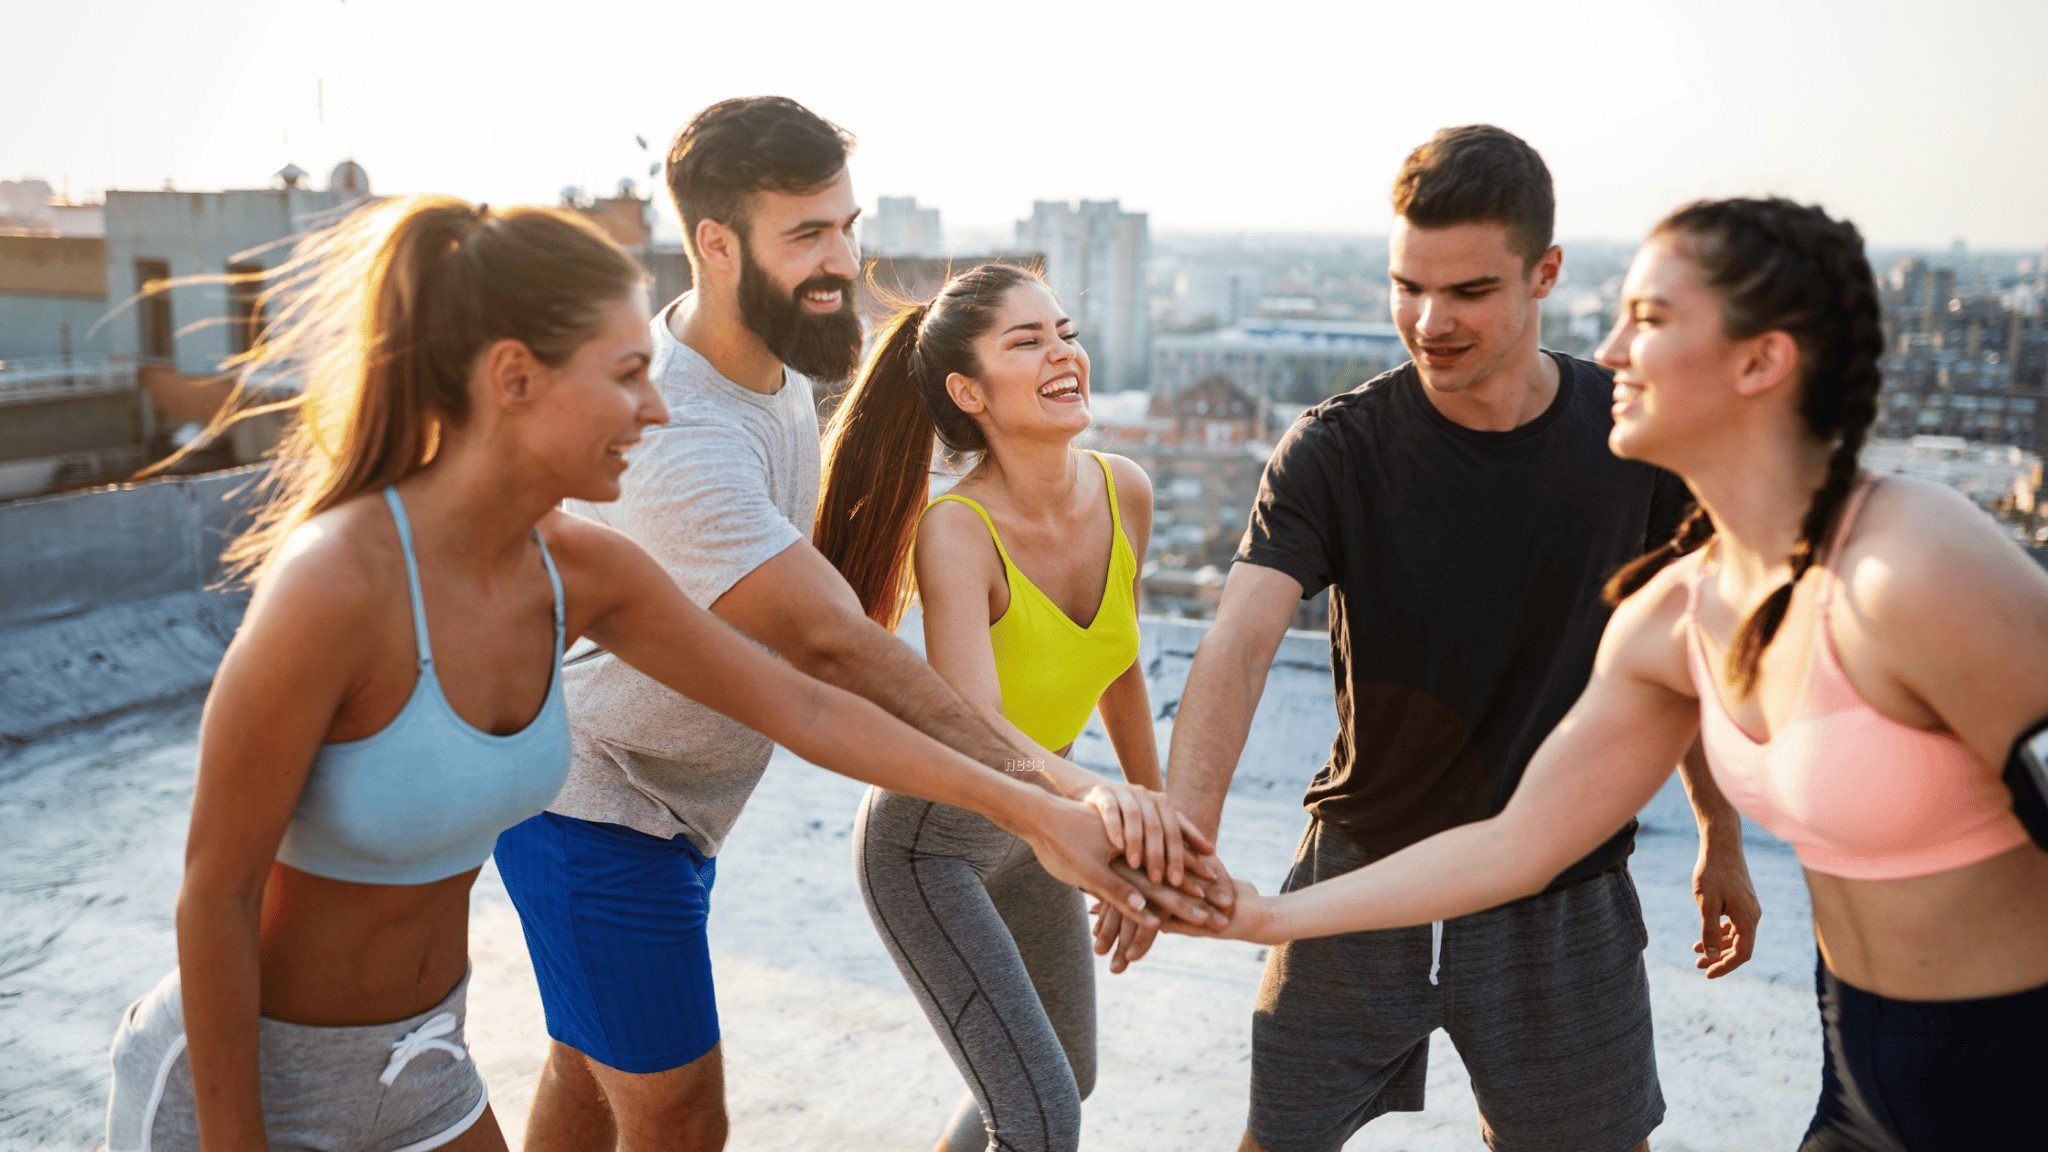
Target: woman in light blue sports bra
{"type": "Point", "coordinates": [392, 700]}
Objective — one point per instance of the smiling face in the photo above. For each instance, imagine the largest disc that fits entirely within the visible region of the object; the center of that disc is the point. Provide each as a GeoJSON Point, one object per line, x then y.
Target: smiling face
{"type": "Point", "coordinates": [1031, 377]}
{"type": "Point", "coordinates": [1677, 373]}
{"type": "Point", "coordinates": [798, 261]}
{"type": "Point", "coordinates": [578, 419]}
{"type": "Point", "coordinates": [1465, 301]}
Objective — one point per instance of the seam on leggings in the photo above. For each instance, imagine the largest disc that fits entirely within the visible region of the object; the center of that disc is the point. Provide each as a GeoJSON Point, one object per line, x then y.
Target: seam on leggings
{"type": "Point", "coordinates": [957, 1017]}
{"type": "Point", "coordinates": [909, 960]}
{"type": "Point", "coordinates": [917, 836]}
{"type": "Point", "coordinates": [1037, 1101]}
{"type": "Point", "coordinates": [448, 1134]}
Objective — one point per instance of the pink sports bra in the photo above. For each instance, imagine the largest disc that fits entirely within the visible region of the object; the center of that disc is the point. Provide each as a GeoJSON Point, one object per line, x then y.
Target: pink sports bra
{"type": "Point", "coordinates": [1855, 793]}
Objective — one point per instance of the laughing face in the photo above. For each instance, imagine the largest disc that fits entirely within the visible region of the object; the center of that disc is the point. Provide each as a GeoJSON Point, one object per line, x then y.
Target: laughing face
{"type": "Point", "coordinates": [584, 416]}
{"type": "Point", "coordinates": [798, 262]}
{"type": "Point", "coordinates": [1677, 372]}
{"type": "Point", "coordinates": [1032, 373]}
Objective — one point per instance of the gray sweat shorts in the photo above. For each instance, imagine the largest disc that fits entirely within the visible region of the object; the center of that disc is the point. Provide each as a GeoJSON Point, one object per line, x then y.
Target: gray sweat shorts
{"type": "Point", "coordinates": [1546, 999]}
{"type": "Point", "coordinates": [406, 1086]}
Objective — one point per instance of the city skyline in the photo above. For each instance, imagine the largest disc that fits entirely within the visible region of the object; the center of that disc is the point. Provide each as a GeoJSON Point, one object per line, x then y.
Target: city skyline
{"type": "Point", "coordinates": [1909, 119]}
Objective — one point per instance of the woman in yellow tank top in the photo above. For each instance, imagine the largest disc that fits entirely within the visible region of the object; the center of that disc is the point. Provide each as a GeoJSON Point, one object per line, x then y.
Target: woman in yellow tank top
{"type": "Point", "coordinates": [1027, 572]}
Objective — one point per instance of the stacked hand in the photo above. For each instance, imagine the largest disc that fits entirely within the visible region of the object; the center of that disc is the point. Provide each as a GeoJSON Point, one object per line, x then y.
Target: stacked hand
{"type": "Point", "coordinates": [1115, 844]}
{"type": "Point", "coordinates": [1168, 849]}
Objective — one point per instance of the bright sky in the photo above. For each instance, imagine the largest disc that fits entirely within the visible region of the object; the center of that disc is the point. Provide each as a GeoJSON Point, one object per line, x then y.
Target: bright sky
{"type": "Point", "coordinates": [1922, 121]}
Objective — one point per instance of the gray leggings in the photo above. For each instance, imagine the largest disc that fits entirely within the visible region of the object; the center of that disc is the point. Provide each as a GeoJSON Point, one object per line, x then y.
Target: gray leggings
{"type": "Point", "coordinates": [997, 953]}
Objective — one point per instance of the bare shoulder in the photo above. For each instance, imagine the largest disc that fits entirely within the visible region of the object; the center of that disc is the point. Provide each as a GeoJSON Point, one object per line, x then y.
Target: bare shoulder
{"type": "Point", "coordinates": [343, 564]}
{"type": "Point", "coordinates": [1645, 637]}
{"type": "Point", "coordinates": [1134, 501]}
{"type": "Point", "coordinates": [1132, 485]}
{"type": "Point", "coordinates": [584, 544]}
{"type": "Point", "coordinates": [601, 567]}
{"type": "Point", "coordinates": [952, 532]}
{"type": "Point", "coordinates": [1921, 551]}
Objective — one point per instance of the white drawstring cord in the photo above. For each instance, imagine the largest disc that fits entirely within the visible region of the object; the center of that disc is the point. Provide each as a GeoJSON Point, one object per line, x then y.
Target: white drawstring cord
{"type": "Point", "coordinates": [426, 1036]}
{"type": "Point", "coordinates": [1436, 948]}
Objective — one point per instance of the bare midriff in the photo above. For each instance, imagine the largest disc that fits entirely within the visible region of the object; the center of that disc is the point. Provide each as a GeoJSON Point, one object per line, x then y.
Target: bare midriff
{"type": "Point", "coordinates": [336, 954]}
{"type": "Point", "coordinates": [1971, 932]}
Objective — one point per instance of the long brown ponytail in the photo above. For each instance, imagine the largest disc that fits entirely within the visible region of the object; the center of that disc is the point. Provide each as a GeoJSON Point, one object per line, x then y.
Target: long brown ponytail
{"type": "Point", "coordinates": [878, 446]}
{"type": "Point", "coordinates": [377, 321]}
{"type": "Point", "coordinates": [1781, 266]}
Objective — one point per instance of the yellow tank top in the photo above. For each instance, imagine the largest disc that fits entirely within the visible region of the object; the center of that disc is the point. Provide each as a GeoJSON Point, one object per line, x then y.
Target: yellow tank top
{"type": "Point", "coordinates": [1052, 670]}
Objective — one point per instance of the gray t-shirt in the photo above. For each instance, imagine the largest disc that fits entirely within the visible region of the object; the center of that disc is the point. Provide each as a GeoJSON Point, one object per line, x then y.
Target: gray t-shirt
{"type": "Point", "coordinates": [729, 482]}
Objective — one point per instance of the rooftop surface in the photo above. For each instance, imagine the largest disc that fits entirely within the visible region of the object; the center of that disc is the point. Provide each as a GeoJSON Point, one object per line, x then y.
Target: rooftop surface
{"type": "Point", "coordinates": [824, 1046]}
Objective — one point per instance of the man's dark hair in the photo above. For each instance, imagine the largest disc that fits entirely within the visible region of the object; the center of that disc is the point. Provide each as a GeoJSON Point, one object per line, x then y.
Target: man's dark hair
{"type": "Point", "coordinates": [750, 144]}
{"type": "Point", "coordinates": [1479, 174]}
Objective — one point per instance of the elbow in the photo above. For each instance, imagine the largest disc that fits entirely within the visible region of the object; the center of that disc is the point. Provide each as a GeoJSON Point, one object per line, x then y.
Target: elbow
{"type": "Point", "coordinates": [1234, 652]}
{"type": "Point", "coordinates": [812, 718]}
{"type": "Point", "coordinates": [207, 900]}
{"type": "Point", "coordinates": [826, 648]}
{"type": "Point", "coordinates": [1525, 864]}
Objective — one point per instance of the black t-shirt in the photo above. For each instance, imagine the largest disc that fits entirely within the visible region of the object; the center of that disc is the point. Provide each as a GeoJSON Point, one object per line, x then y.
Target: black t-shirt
{"type": "Point", "coordinates": [1465, 570]}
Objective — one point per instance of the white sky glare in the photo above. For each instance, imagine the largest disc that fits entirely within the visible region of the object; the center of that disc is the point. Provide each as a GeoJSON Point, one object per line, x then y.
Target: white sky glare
{"type": "Point", "coordinates": [1924, 122]}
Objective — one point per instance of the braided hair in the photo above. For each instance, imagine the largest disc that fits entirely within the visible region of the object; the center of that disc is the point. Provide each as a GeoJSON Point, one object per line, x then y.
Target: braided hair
{"type": "Point", "coordinates": [1786, 267]}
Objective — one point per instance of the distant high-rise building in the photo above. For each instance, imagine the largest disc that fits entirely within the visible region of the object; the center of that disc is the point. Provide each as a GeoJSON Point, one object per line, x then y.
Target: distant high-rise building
{"type": "Point", "coordinates": [899, 227]}
{"type": "Point", "coordinates": [1216, 296]}
{"type": "Point", "coordinates": [1965, 357]}
{"type": "Point", "coordinates": [1095, 260]}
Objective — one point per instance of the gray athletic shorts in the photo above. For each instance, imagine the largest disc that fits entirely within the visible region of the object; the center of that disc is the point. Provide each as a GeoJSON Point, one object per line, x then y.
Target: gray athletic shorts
{"type": "Point", "coordinates": [1546, 999]}
{"type": "Point", "coordinates": [402, 1087]}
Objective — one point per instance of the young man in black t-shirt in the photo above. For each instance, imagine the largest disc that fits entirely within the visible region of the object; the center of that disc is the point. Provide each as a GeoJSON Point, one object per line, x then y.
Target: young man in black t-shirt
{"type": "Point", "coordinates": [1465, 510]}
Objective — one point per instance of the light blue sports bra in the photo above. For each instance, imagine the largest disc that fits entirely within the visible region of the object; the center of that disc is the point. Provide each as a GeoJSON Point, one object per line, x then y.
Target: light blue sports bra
{"type": "Point", "coordinates": [425, 798]}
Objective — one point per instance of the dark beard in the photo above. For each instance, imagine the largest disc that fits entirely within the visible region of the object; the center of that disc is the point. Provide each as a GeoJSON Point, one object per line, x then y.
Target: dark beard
{"type": "Point", "coordinates": [824, 348]}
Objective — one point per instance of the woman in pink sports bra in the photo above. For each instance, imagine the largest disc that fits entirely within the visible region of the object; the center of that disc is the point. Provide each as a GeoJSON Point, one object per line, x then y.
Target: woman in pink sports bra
{"type": "Point", "coordinates": [1856, 656]}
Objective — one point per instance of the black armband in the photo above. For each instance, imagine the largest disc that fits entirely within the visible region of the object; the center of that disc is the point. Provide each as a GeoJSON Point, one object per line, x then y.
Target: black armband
{"type": "Point", "coordinates": [2026, 774]}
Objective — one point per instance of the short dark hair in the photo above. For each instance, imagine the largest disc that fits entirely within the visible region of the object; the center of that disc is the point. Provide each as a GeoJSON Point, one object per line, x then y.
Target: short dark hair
{"type": "Point", "coordinates": [750, 144]}
{"type": "Point", "coordinates": [1479, 173]}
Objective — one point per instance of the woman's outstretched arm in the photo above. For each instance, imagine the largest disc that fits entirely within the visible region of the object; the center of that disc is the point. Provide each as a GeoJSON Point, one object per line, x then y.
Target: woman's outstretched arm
{"type": "Point", "coordinates": [623, 600]}
{"type": "Point", "coordinates": [1597, 768]}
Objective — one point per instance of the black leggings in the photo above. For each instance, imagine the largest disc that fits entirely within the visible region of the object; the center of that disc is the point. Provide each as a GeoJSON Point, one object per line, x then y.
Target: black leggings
{"type": "Point", "coordinates": [1930, 1075]}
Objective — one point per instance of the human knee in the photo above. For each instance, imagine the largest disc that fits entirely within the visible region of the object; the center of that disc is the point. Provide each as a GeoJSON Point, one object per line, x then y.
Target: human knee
{"type": "Point", "coordinates": [687, 1126]}
{"type": "Point", "coordinates": [681, 1110]}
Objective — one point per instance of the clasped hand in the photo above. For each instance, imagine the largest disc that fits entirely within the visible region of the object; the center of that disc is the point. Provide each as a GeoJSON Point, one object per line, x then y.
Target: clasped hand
{"type": "Point", "coordinates": [1162, 843]}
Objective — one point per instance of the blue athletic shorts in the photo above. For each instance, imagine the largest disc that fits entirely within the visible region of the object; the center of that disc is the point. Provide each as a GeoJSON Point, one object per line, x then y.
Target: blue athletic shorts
{"type": "Point", "coordinates": [615, 922]}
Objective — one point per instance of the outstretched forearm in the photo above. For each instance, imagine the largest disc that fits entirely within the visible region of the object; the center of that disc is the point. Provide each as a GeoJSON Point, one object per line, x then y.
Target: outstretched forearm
{"type": "Point", "coordinates": [1596, 769]}
{"type": "Point", "coordinates": [876, 666]}
{"type": "Point", "coordinates": [1224, 685]}
{"type": "Point", "coordinates": [858, 738]}
{"type": "Point", "coordinates": [1210, 727]}
{"type": "Point", "coordinates": [1466, 869]}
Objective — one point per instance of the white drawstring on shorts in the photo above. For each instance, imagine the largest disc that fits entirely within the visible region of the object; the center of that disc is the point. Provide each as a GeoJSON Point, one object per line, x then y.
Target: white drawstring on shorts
{"type": "Point", "coordinates": [1436, 948]}
{"type": "Point", "coordinates": [426, 1036]}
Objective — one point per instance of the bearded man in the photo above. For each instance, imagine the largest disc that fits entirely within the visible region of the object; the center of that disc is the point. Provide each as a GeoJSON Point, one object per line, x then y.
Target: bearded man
{"type": "Point", "coordinates": [613, 882]}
